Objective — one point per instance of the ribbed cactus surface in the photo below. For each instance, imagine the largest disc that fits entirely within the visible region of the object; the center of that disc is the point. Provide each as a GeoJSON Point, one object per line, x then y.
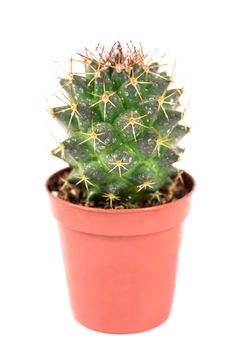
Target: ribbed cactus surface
{"type": "Point", "coordinates": [122, 119]}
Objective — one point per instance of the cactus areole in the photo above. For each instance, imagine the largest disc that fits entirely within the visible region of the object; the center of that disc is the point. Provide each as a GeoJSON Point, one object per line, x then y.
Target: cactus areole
{"type": "Point", "coordinates": [121, 202]}
{"type": "Point", "coordinates": [122, 115]}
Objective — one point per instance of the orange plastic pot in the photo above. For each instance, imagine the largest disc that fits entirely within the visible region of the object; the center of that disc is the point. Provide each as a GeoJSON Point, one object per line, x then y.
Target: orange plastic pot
{"type": "Point", "coordinates": [121, 263]}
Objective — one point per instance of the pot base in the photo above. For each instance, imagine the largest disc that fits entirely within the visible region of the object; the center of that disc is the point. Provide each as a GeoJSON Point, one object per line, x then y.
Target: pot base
{"type": "Point", "coordinates": [122, 330]}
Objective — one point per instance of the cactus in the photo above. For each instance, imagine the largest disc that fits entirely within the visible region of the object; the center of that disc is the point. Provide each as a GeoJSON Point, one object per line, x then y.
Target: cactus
{"type": "Point", "coordinates": [122, 119]}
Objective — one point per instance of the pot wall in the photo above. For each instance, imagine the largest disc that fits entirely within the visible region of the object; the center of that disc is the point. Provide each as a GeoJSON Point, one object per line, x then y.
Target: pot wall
{"type": "Point", "coordinates": [121, 284]}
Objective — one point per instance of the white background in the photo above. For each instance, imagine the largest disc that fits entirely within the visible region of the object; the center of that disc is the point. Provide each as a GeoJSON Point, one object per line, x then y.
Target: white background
{"type": "Point", "coordinates": [202, 37]}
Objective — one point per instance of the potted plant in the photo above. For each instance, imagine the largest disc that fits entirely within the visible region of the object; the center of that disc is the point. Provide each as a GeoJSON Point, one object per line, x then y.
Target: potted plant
{"type": "Point", "coordinates": [121, 202]}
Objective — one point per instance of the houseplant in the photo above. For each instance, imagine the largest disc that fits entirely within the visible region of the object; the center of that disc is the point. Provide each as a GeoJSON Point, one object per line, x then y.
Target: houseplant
{"type": "Point", "coordinates": [121, 203]}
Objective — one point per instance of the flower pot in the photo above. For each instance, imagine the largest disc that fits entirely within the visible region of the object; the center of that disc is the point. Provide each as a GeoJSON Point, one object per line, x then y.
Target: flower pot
{"type": "Point", "coordinates": [121, 263]}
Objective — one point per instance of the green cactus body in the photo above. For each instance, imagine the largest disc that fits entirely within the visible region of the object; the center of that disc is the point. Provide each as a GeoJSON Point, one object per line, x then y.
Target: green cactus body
{"type": "Point", "coordinates": [123, 125]}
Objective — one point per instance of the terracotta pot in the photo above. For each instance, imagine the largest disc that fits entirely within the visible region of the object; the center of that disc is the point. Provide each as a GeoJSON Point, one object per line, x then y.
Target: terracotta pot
{"type": "Point", "coordinates": [121, 263]}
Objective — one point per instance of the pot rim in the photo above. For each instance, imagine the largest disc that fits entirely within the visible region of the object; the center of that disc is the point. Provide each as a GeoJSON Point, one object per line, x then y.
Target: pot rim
{"type": "Point", "coordinates": [117, 211]}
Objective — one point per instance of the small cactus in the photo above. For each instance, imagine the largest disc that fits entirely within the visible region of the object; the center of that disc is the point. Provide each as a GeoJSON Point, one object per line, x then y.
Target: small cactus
{"type": "Point", "coordinates": [123, 124]}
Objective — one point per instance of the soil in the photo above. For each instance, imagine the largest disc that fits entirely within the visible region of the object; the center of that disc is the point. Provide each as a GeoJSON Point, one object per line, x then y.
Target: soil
{"type": "Point", "coordinates": [65, 190]}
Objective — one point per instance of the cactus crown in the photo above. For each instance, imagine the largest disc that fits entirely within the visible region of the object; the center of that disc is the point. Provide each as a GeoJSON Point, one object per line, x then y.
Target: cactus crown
{"type": "Point", "coordinates": [122, 119]}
